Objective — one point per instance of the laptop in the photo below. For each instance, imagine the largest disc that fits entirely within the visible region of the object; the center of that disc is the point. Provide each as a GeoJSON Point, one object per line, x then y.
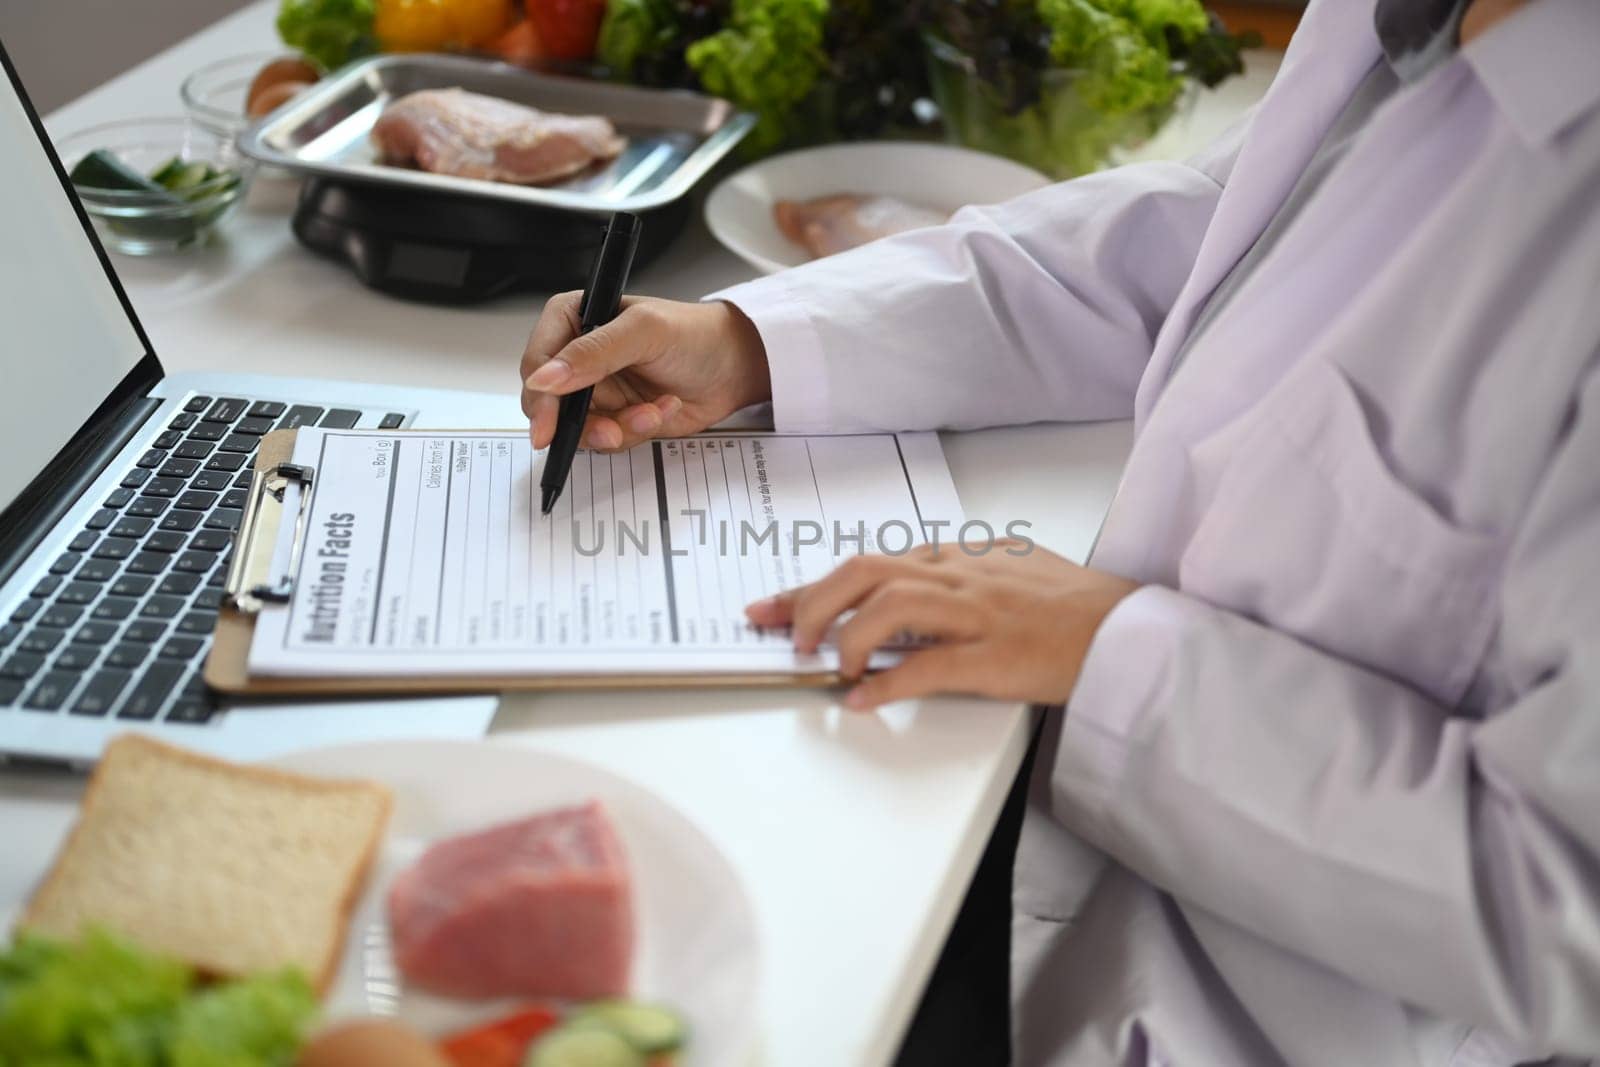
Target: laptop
{"type": "Point", "coordinates": [120, 488]}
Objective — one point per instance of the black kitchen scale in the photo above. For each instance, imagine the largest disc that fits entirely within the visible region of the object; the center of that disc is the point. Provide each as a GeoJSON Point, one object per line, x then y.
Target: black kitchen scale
{"type": "Point", "coordinates": [446, 249]}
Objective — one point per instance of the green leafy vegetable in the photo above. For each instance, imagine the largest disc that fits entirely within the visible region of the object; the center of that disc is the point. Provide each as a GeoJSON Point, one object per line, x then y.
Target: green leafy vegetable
{"type": "Point", "coordinates": [330, 33]}
{"type": "Point", "coordinates": [105, 1003]}
{"type": "Point", "coordinates": [644, 41]}
{"type": "Point", "coordinates": [767, 59]}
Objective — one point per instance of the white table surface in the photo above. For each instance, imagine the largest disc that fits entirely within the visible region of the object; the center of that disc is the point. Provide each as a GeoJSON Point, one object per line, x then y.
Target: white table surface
{"type": "Point", "coordinates": [856, 835]}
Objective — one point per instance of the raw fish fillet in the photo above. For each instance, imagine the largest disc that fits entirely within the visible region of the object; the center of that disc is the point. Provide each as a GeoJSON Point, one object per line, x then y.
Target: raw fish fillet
{"type": "Point", "coordinates": [832, 224]}
{"type": "Point", "coordinates": [452, 131]}
{"type": "Point", "coordinates": [541, 907]}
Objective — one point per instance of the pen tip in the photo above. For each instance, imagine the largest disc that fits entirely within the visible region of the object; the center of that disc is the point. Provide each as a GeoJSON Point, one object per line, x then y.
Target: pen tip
{"type": "Point", "coordinates": [548, 503]}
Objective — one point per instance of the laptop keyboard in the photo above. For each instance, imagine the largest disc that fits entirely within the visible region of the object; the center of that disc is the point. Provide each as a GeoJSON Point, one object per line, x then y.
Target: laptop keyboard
{"type": "Point", "coordinates": [121, 624]}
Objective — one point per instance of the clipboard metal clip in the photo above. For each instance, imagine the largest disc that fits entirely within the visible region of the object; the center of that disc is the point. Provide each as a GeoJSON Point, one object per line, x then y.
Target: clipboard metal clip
{"type": "Point", "coordinates": [251, 585]}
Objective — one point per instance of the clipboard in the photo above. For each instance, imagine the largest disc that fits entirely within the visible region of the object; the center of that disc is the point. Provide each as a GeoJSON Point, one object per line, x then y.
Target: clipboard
{"type": "Point", "coordinates": [251, 585]}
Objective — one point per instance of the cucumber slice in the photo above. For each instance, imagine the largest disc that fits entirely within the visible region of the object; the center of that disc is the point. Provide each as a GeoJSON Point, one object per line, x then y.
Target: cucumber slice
{"type": "Point", "coordinates": [187, 176]}
{"type": "Point", "coordinates": [164, 173]}
{"type": "Point", "coordinates": [649, 1028]}
{"type": "Point", "coordinates": [583, 1046]}
{"type": "Point", "coordinates": [102, 170]}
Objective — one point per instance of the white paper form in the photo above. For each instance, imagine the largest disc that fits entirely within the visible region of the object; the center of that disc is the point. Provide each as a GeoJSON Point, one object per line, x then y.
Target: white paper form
{"type": "Point", "coordinates": [425, 553]}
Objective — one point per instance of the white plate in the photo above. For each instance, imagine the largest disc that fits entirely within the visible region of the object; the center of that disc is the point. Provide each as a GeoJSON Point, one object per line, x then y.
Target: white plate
{"type": "Point", "coordinates": [697, 948]}
{"type": "Point", "coordinates": [943, 177]}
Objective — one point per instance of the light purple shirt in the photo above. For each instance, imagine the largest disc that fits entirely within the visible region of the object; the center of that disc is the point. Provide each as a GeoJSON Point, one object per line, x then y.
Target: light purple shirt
{"type": "Point", "coordinates": [1328, 790]}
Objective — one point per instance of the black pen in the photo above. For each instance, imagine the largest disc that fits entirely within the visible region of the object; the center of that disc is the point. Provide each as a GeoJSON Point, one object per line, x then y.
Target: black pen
{"type": "Point", "coordinates": [601, 301]}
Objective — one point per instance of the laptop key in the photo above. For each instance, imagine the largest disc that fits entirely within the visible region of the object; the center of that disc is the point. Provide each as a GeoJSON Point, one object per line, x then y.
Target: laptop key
{"type": "Point", "coordinates": [51, 691]}
{"type": "Point", "coordinates": [234, 498]}
{"type": "Point", "coordinates": [167, 439]}
{"type": "Point", "coordinates": [131, 526]}
{"type": "Point", "coordinates": [197, 404]}
{"type": "Point", "coordinates": [176, 584]}
{"type": "Point", "coordinates": [8, 633]}
{"type": "Point", "coordinates": [193, 450]}
{"type": "Point", "coordinates": [243, 479]}
{"type": "Point", "coordinates": [113, 609]}
{"type": "Point", "coordinates": [198, 623]}
{"type": "Point", "coordinates": [78, 593]}
{"type": "Point", "coordinates": [144, 631]}
{"type": "Point", "coordinates": [152, 459]}
{"type": "Point", "coordinates": [226, 410]}
{"type": "Point", "coordinates": [25, 611]}
{"type": "Point", "coordinates": [181, 521]}
{"type": "Point", "coordinates": [75, 658]}
{"type": "Point", "coordinates": [195, 562]}
{"type": "Point", "coordinates": [164, 487]}
{"type": "Point", "coordinates": [340, 419]}
{"type": "Point", "coordinates": [300, 415]}
{"type": "Point", "coordinates": [144, 700]}
{"type": "Point", "coordinates": [60, 616]}
{"type": "Point", "coordinates": [255, 424]}
{"type": "Point", "coordinates": [83, 542]}
{"type": "Point", "coordinates": [21, 665]}
{"type": "Point", "coordinates": [97, 570]}
{"type": "Point", "coordinates": [392, 421]}
{"type": "Point", "coordinates": [147, 563]}
{"type": "Point", "coordinates": [211, 481]}
{"type": "Point", "coordinates": [266, 409]}
{"type": "Point", "coordinates": [209, 600]}
{"type": "Point", "coordinates": [193, 501]}
{"type": "Point", "coordinates": [94, 633]}
{"type": "Point", "coordinates": [239, 442]}
{"type": "Point", "coordinates": [101, 692]}
{"type": "Point", "coordinates": [41, 639]}
{"type": "Point", "coordinates": [161, 607]}
{"type": "Point", "coordinates": [119, 498]}
{"type": "Point", "coordinates": [128, 656]}
{"type": "Point", "coordinates": [148, 507]}
{"type": "Point", "coordinates": [47, 585]}
{"type": "Point", "coordinates": [114, 548]}
{"type": "Point", "coordinates": [66, 563]}
{"type": "Point", "coordinates": [102, 519]}
{"type": "Point", "coordinates": [225, 461]}
{"type": "Point", "coordinates": [135, 478]}
{"type": "Point", "coordinates": [179, 468]}
{"type": "Point", "coordinates": [164, 541]}
{"type": "Point", "coordinates": [210, 541]}
{"type": "Point", "coordinates": [182, 420]}
{"type": "Point", "coordinates": [10, 690]}
{"type": "Point", "coordinates": [191, 710]}
{"type": "Point", "coordinates": [181, 647]}
{"type": "Point", "coordinates": [209, 431]}
{"type": "Point", "coordinates": [224, 519]}
{"type": "Point", "coordinates": [131, 585]}
{"type": "Point", "coordinates": [219, 577]}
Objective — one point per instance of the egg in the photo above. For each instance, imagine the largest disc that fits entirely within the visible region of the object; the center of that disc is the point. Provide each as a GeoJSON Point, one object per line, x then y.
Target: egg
{"type": "Point", "coordinates": [370, 1043]}
{"type": "Point", "coordinates": [278, 72]}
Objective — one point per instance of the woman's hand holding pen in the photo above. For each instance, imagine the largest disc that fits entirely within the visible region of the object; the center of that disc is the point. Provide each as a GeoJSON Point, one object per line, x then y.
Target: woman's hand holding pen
{"type": "Point", "coordinates": [659, 368]}
{"type": "Point", "coordinates": [1014, 623]}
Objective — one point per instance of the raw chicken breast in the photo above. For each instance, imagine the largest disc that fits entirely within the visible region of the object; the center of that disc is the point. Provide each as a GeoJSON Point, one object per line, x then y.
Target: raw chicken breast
{"type": "Point", "coordinates": [832, 224]}
{"type": "Point", "coordinates": [541, 907]}
{"type": "Point", "coordinates": [452, 131]}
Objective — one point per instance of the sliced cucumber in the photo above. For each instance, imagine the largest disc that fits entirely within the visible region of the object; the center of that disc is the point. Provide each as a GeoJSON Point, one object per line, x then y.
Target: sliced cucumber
{"type": "Point", "coordinates": [649, 1028]}
{"type": "Point", "coordinates": [186, 176]}
{"type": "Point", "coordinates": [102, 170]}
{"type": "Point", "coordinates": [163, 174]}
{"type": "Point", "coordinates": [583, 1046]}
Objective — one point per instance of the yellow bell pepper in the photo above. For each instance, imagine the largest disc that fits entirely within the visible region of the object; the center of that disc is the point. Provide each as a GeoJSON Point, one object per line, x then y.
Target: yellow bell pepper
{"type": "Point", "coordinates": [430, 25]}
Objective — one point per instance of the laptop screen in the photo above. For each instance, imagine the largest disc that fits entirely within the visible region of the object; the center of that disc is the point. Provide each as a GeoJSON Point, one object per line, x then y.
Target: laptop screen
{"type": "Point", "coordinates": [65, 339]}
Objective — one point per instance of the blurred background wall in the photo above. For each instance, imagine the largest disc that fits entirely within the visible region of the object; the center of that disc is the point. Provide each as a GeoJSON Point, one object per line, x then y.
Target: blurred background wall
{"type": "Point", "coordinates": [62, 48]}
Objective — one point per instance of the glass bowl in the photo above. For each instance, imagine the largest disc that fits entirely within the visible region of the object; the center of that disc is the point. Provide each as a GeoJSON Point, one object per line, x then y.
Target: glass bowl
{"type": "Point", "coordinates": [215, 95]}
{"type": "Point", "coordinates": [1061, 134]}
{"type": "Point", "coordinates": [144, 222]}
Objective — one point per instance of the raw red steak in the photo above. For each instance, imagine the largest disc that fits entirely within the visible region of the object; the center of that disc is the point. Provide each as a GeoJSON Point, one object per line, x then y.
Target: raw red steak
{"type": "Point", "coordinates": [451, 131]}
{"type": "Point", "coordinates": [541, 907]}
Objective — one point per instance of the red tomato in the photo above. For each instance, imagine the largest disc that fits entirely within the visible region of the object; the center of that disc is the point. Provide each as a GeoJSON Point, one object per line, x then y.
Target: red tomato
{"type": "Point", "coordinates": [567, 29]}
{"type": "Point", "coordinates": [501, 1043]}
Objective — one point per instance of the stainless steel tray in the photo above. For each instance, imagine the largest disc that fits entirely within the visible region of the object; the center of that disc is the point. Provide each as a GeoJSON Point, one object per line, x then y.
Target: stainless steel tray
{"type": "Point", "coordinates": [674, 137]}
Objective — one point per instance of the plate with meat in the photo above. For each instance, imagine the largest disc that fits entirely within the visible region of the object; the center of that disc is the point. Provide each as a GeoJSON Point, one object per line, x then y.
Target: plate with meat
{"type": "Point", "coordinates": [512, 877]}
{"type": "Point", "coordinates": [816, 202]}
{"type": "Point", "coordinates": [468, 126]}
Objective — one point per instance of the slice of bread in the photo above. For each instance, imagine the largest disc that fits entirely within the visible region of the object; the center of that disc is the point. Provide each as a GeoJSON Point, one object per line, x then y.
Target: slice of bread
{"type": "Point", "coordinates": [233, 869]}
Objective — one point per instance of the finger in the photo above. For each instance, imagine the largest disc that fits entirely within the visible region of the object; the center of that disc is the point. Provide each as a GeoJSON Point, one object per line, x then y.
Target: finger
{"type": "Point", "coordinates": [641, 422]}
{"type": "Point", "coordinates": [602, 434]}
{"type": "Point", "coordinates": [918, 674]}
{"type": "Point", "coordinates": [625, 341]}
{"type": "Point", "coordinates": [558, 323]}
{"type": "Point", "coordinates": [927, 609]}
{"type": "Point", "coordinates": [773, 611]}
{"type": "Point", "coordinates": [542, 414]}
{"type": "Point", "coordinates": [818, 605]}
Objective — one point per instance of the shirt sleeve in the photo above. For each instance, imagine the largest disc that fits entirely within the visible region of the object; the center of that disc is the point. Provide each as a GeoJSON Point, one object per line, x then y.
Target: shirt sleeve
{"type": "Point", "coordinates": [1044, 307]}
{"type": "Point", "coordinates": [1451, 861]}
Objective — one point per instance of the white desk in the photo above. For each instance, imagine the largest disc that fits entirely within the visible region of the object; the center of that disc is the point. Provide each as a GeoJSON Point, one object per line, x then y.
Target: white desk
{"type": "Point", "coordinates": [856, 835]}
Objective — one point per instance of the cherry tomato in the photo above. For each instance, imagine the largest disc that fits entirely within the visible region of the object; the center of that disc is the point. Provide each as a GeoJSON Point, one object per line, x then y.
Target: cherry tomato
{"type": "Point", "coordinates": [567, 29]}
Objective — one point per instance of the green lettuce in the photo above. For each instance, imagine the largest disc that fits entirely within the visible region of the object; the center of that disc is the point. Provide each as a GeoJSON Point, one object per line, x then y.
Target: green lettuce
{"type": "Point", "coordinates": [766, 59]}
{"type": "Point", "coordinates": [330, 33]}
{"type": "Point", "coordinates": [103, 1002]}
